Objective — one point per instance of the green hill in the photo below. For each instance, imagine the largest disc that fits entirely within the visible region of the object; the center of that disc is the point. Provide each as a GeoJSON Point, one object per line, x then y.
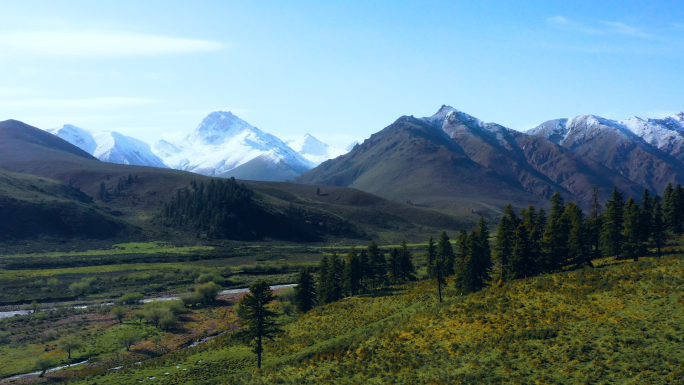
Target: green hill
{"type": "Point", "coordinates": [617, 323]}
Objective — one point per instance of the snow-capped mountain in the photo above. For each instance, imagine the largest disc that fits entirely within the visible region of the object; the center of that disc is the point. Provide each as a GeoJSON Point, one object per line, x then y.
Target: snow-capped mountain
{"type": "Point", "coordinates": [109, 146]}
{"type": "Point", "coordinates": [648, 151]}
{"type": "Point", "coordinates": [222, 143]}
{"type": "Point", "coordinates": [76, 136]}
{"type": "Point", "coordinates": [315, 150]}
{"type": "Point", "coordinates": [114, 147]}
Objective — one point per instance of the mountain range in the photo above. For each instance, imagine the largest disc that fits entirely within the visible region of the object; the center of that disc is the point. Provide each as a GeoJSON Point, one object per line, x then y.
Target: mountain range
{"type": "Point", "coordinates": [453, 160]}
{"type": "Point", "coordinates": [221, 145]}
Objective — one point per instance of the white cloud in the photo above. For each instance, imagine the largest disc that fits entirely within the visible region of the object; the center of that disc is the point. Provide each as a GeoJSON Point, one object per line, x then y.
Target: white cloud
{"type": "Point", "coordinates": [628, 30]}
{"type": "Point", "coordinates": [564, 23]}
{"type": "Point", "coordinates": [100, 43]}
{"type": "Point", "coordinates": [91, 103]}
{"type": "Point", "coordinates": [14, 92]}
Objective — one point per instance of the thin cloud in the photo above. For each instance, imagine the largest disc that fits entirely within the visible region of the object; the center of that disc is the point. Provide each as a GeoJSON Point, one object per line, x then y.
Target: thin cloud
{"type": "Point", "coordinates": [91, 103]}
{"type": "Point", "coordinates": [679, 26]}
{"type": "Point", "coordinates": [628, 30]}
{"type": "Point", "coordinates": [564, 23]}
{"type": "Point", "coordinates": [100, 44]}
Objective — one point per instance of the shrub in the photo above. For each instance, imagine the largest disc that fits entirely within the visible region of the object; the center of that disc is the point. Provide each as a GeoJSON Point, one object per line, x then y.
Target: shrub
{"type": "Point", "coordinates": [208, 291]}
{"type": "Point", "coordinates": [130, 299]}
{"type": "Point", "coordinates": [118, 312]}
{"type": "Point", "coordinates": [128, 338]}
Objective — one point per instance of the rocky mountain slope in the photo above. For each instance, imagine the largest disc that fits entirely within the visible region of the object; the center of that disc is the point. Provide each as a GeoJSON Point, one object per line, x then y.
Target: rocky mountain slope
{"type": "Point", "coordinates": [648, 152]}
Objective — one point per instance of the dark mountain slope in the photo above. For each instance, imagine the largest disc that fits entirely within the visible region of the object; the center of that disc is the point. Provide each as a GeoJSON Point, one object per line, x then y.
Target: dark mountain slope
{"type": "Point", "coordinates": [414, 160]}
{"type": "Point", "coordinates": [540, 165]}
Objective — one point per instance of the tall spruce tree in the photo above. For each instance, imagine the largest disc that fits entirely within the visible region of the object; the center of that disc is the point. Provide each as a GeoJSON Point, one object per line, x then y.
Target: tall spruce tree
{"type": "Point", "coordinates": [678, 203]}
{"type": "Point", "coordinates": [406, 267]}
{"type": "Point", "coordinates": [646, 217]}
{"type": "Point", "coordinates": [555, 237]}
{"type": "Point", "coordinates": [335, 278]}
{"type": "Point", "coordinates": [394, 265]}
{"type": "Point", "coordinates": [658, 231]}
{"type": "Point", "coordinates": [521, 264]}
{"type": "Point", "coordinates": [530, 219]}
{"type": "Point", "coordinates": [445, 251]}
{"type": "Point", "coordinates": [478, 264]}
{"type": "Point", "coordinates": [323, 284]}
{"type": "Point", "coordinates": [503, 248]}
{"type": "Point", "coordinates": [579, 242]}
{"type": "Point", "coordinates": [611, 235]}
{"type": "Point", "coordinates": [353, 273]}
{"type": "Point", "coordinates": [669, 207]}
{"type": "Point", "coordinates": [438, 272]}
{"type": "Point", "coordinates": [305, 291]}
{"type": "Point", "coordinates": [377, 265]}
{"type": "Point", "coordinates": [363, 261]}
{"type": "Point", "coordinates": [257, 321]}
{"type": "Point", "coordinates": [632, 247]}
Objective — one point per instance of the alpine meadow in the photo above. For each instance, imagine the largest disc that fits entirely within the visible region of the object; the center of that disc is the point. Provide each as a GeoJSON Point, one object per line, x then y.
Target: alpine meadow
{"type": "Point", "coordinates": [277, 193]}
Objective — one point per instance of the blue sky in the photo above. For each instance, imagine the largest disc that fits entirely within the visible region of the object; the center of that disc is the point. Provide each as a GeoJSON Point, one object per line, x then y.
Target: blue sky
{"type": "Point", "coordinates": [339, 70]}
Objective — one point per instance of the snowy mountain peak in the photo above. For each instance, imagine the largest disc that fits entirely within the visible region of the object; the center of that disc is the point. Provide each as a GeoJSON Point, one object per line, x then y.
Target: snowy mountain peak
{"type": "Point", "coordinates": [76, 136]}
{"type": "Point", "coordinates": [314, 150]}
{"type": "Point", "coordinates": [114, 147]}
{"type": "Point", "coordinates": [218, 127]}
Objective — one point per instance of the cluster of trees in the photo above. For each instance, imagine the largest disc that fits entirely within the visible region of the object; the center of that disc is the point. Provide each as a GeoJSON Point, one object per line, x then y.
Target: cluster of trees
{"type": "Point", "coordinates": [470, 263]}
{"type": "Point", "coordinates": [360, 272]}
{"type": "Point", "coordinates": [205, 293]}
{"type": "Point", "coordinates": [121, 184]}
{"type": "Point", "coordinates": [533, 243]}
{"type": "Point", "coordinates": [216, 210]}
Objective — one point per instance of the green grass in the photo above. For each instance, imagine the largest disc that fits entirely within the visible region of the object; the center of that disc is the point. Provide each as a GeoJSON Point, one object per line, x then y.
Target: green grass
{"type": "Point", "coordinates": [121, 248]}
{"type": "Point", "coordinates": [619, 323]}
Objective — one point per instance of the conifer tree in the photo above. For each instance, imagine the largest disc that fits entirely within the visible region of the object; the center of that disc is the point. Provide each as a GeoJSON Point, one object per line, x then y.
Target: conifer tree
{"type": "Point", "coordinates": [353, 273]}
{"type": "Point", "coordinates": [363, 261]}
{"type": "Point", "coordinates": [445, 252]}
{"type": "Point", "coordinates": [555, 237]}
{"type": "Point", "coordinates": [406, 267]}
{"type": "Point", "coordinates": [438, 273]}
{"type": "Point", "coordinates": [532, 223]}
{"type": "Point", "coordinates": [335, 279]}
{"type": "Point", "coordinates": [658, 232]}
{"type": "Point", "coordinates": [430, 256]}
{"type": "Point", "coordinates": [377, 264]}
{"type": "Point", "coordinates": [521, 264]}
{"type": "Point", "coordinates": [503, 248]}
{"type": "Point", "coordinates": [477, 266]}
{"type": "Point", "coordinates": [611, 234]}
{"type": "Point", "coordinates": [678, 203]}
{"type": "Point", "coordinates": [305, 291]}
{"type": "Point", "coordinates": [646, 218]}
{"type": "Point", "coordinates": [323, 285]}
{"type": "Point", "coordinates": [669, 207]}
{"type": "Point", "coordinates": [483, 264]}
{"type": "Point", "coordinates": [632, 247]}
{"type": "Point", "coordinates": [394, 265]}
{"type": "Point", "coordinates": [257, 320]}
{"type": "Point", "coordinates": [579, 242]}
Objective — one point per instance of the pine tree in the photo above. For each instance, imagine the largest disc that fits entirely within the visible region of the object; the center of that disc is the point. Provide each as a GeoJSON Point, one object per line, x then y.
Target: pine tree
{"type": "Point", "coordinates": [632, 247]}
{"type": "Point", "coordinates": [377, 264]}
{"type": "Point", "coordinates": [335, 278]}
{"type": "Point", "coordinates": [353, 273]}
{"type": "Point", "coordinates": [257, 321]}
{"type": "Point", "coordinates": [658, 232]}
{"type": "Point", "coordinates": [323, 284]}
{"type": "Point", "coordinates": [613, 221]}
{"type": "Point", "coordinates": [555, 237]}
{"type": "Point", "coordinates": [678, 203]}
{"type": "Point", "coordinates": [646, 217]}
{"type": "Point", "coordinates": [438, 272]}
{"type": "Point", "coordinates": [430, 256]}
{"type": "Point", "coordinates": [394, 265]}
{"type": "Point", "coordinates": [521, 264]}
{"type": "Point", "coordinates": [445, 252]}
{"type": "Point", "coordinates": [406, 267]}
{"type": "Point", "coordinates": [579, 242]}
{"type": "Point", "coordinates": [305, 291]}
{"type": "Point", "coordinates": [669, 207]}
{"type": "Point", "coordinates": [503, 248]}
{"type": "Point", "coordinates": [363, 261]}
{"type": "Point", "coordinates": [483, 260]}
{"type": "Point", "coordinates": [531, 221]}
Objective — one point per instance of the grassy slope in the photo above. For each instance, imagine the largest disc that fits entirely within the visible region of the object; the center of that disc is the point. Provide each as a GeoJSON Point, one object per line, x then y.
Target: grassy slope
{"type": "Point", "coordinates": [619, 323]}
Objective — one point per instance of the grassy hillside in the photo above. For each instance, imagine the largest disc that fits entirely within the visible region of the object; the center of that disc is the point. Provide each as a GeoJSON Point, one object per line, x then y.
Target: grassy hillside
{"type": "Point", "coordinates": [617, 323]}
{"type": "Point", "coordinates": [290, 212]}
